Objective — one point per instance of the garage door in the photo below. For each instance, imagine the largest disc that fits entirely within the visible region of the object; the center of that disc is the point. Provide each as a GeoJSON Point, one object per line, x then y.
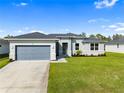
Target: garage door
{"type": "Point", "coordinates": [33, 52]}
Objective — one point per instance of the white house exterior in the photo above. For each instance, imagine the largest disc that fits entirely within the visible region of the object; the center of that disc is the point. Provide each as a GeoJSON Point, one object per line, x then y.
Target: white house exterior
{"type": "Point", "coordinates": [115, 46]}
{"type": "Point", "coordinates": [37, 46]}
{"type": "Point", "coordinates": [4, 47]}
{"type": "Point", "coordinates": [51, 43]}
{"type": "Point", "coordinates": [84, 46]}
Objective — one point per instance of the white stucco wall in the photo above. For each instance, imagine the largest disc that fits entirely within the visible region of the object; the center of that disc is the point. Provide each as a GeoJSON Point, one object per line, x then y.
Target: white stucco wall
{"type": "Point", "coordinates": [28, 42]}
{"type": "Point", "coordinates": [85, 48]}
{"type": "Point", "coordinates": [87, 51]}
{"type": "Point", "coordinates": [4, 49]}
{"type": "Point", "coordinates": [113, 48]}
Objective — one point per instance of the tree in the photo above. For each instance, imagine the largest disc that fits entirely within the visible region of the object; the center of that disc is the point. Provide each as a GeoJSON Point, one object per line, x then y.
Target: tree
{"type": "Point", "coordinates": [8, 36]}
{"type": "Point", "coordinates": [109, 38]}
{"type": "Point", "coordinates": [83, 35]}
{"type": "Point", "coordinates": [92, 36]}
{"type": "Point", "coordinates": [99, 36]}
{"type": "Point", "coordinates": [117, 36]}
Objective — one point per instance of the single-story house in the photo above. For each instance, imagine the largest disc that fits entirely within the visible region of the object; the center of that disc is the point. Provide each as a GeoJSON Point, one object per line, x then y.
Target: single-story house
{"type": "Point", "coordinates": [4, 47]}
{"type": "Point", "coordinates": [115, 46]}
{"type": "Point", "coordinates": [39, 46]}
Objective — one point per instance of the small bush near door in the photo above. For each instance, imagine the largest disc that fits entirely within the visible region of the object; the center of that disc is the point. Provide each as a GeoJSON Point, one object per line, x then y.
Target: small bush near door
{"type": "Point", "coordinates": [78, 53]}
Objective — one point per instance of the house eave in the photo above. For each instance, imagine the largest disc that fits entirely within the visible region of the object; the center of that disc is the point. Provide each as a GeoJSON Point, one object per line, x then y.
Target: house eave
{"type": "Point", "coordinates": [29, 39]}
{"type": "Point", "coordinates": [94, 42]}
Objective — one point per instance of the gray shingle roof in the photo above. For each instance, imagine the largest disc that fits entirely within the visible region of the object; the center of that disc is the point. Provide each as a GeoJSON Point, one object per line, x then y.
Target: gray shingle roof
{"type": "Point", "coordinates": [41, 35]}
{"type": "Point", "coordinates": [92, 40]}
{"type": "Point", "coordinates": [31, 35]}
{"type": "Point", "coordinates": [37, 35]}
{"type": "Point", "coordinates": [62, 35]}
{"type": "Point", "coordinates": [119, 41]}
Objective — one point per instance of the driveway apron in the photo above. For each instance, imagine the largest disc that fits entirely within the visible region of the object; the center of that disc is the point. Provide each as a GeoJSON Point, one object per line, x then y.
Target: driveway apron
{"type": "Point", "coordinates": [24, 77]}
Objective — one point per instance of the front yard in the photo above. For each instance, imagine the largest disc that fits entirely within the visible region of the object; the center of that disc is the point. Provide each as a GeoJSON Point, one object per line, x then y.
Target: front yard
{"type": "Point", "coordinates": [88, 75]}
{"type": "Point", "coordinates": [4, 61]}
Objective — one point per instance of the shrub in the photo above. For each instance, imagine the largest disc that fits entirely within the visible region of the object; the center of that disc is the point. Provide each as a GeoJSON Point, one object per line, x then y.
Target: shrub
{"type": "Point", "coordinates": [92, 55]}
{"type": "Point", "coordinates": [10, 60]}
{"type": "Point", "coordinates": [78, 52]}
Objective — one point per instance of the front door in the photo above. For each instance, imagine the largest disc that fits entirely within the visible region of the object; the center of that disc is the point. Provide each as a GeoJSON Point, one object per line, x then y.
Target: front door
{"type": "Point", "coordinates": [57, 48]}
{"type": "Point", "coordinates": [64, 48]}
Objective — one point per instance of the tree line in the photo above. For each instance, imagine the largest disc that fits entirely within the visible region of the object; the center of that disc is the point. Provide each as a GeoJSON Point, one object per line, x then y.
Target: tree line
{"type": "Point", "coordinates": [103, 37]}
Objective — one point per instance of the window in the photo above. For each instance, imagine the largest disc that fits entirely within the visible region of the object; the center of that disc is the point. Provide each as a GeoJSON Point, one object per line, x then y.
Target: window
{"type": "Point", "coordinates": [91, 46]}
{"type": "Point", "coordinates": [77, 46]}
{"type": "Point", "coordinates": [64, 48]}
{"type": "Point", "coordinates": [94, 46]}
{"type": "Point", "coordinates": [117, 45]}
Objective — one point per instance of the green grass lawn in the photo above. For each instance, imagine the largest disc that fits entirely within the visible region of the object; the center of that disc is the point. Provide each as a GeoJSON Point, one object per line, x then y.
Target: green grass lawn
{"type": "Point", "coordinates": [4, 61]}
{"type": "Point", "coordinates": [88, 75]}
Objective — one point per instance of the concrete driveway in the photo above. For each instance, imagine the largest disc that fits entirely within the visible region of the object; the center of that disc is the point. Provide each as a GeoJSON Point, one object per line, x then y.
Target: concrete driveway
{"type": "Point", "coordinates": [24, 77]}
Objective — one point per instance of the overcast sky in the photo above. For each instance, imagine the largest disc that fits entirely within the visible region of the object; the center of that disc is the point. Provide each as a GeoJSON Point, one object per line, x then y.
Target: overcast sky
{"type": "Point", "coordinates": [61, 16]}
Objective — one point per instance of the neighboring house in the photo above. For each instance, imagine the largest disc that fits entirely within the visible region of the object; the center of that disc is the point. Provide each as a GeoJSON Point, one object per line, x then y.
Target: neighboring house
{"type": "Point", "coordinates": [38, 46]}
{"type": "Point", "coordinates": [4, 47]}
{"type": "Point", "coordinates": [115, 46]}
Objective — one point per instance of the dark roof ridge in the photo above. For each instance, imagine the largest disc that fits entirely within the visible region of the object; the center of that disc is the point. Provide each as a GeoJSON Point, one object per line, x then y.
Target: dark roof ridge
{"type": "Point", "coordinates": [30, 35]}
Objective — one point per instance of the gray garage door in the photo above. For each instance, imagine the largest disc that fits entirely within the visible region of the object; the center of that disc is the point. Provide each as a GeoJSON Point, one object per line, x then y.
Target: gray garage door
{"type": "Point", "coordinates": [33, 52]}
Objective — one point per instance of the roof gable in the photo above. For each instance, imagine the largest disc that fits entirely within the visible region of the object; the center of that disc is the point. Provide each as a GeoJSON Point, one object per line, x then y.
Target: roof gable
{"type": "Point", "coordinates": [31, 35]}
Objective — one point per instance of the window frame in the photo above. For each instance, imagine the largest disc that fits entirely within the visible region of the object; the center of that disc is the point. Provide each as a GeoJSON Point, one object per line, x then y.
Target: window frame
{"type": "Point", "coordinates": [77, 47]}
{"type": "Point", "coordinates": [94, 46]}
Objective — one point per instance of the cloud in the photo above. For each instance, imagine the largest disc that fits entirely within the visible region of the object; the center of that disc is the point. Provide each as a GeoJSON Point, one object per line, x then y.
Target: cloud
{"type": "Point", "coordinates": [23, 4]}
{"type": "Point", "coordinates": [67, 29]}
{"type": "Point", "coordinates": [103, 26]}
{"type": "Point", "coordinates": [26, 28]}
{"type": "Point", "coordinates": [103, 20]}
{"type": "Point", "coordinates": [1, 31]}
{"type": "Point", "coordinates": [20, 31]}
{"type": "Point", "coordinates": [118, 27]}
{"type": "Point", "coordinates": [121, 24]}
{"type": "Point", "coordinates": [92, 21]}
{"type": "Point", "coordinates": [98, 20]}
{"type": "Point", "coordinates": [41, 31]}
{"type": "Point", "coordinates": [105, 3]}
{"type": "Point", "coordinates": [112, 26]}
{"type": "Point", "coordinates": [29, 30]}
{"type": "Point", "coordinates": [20, 4]}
